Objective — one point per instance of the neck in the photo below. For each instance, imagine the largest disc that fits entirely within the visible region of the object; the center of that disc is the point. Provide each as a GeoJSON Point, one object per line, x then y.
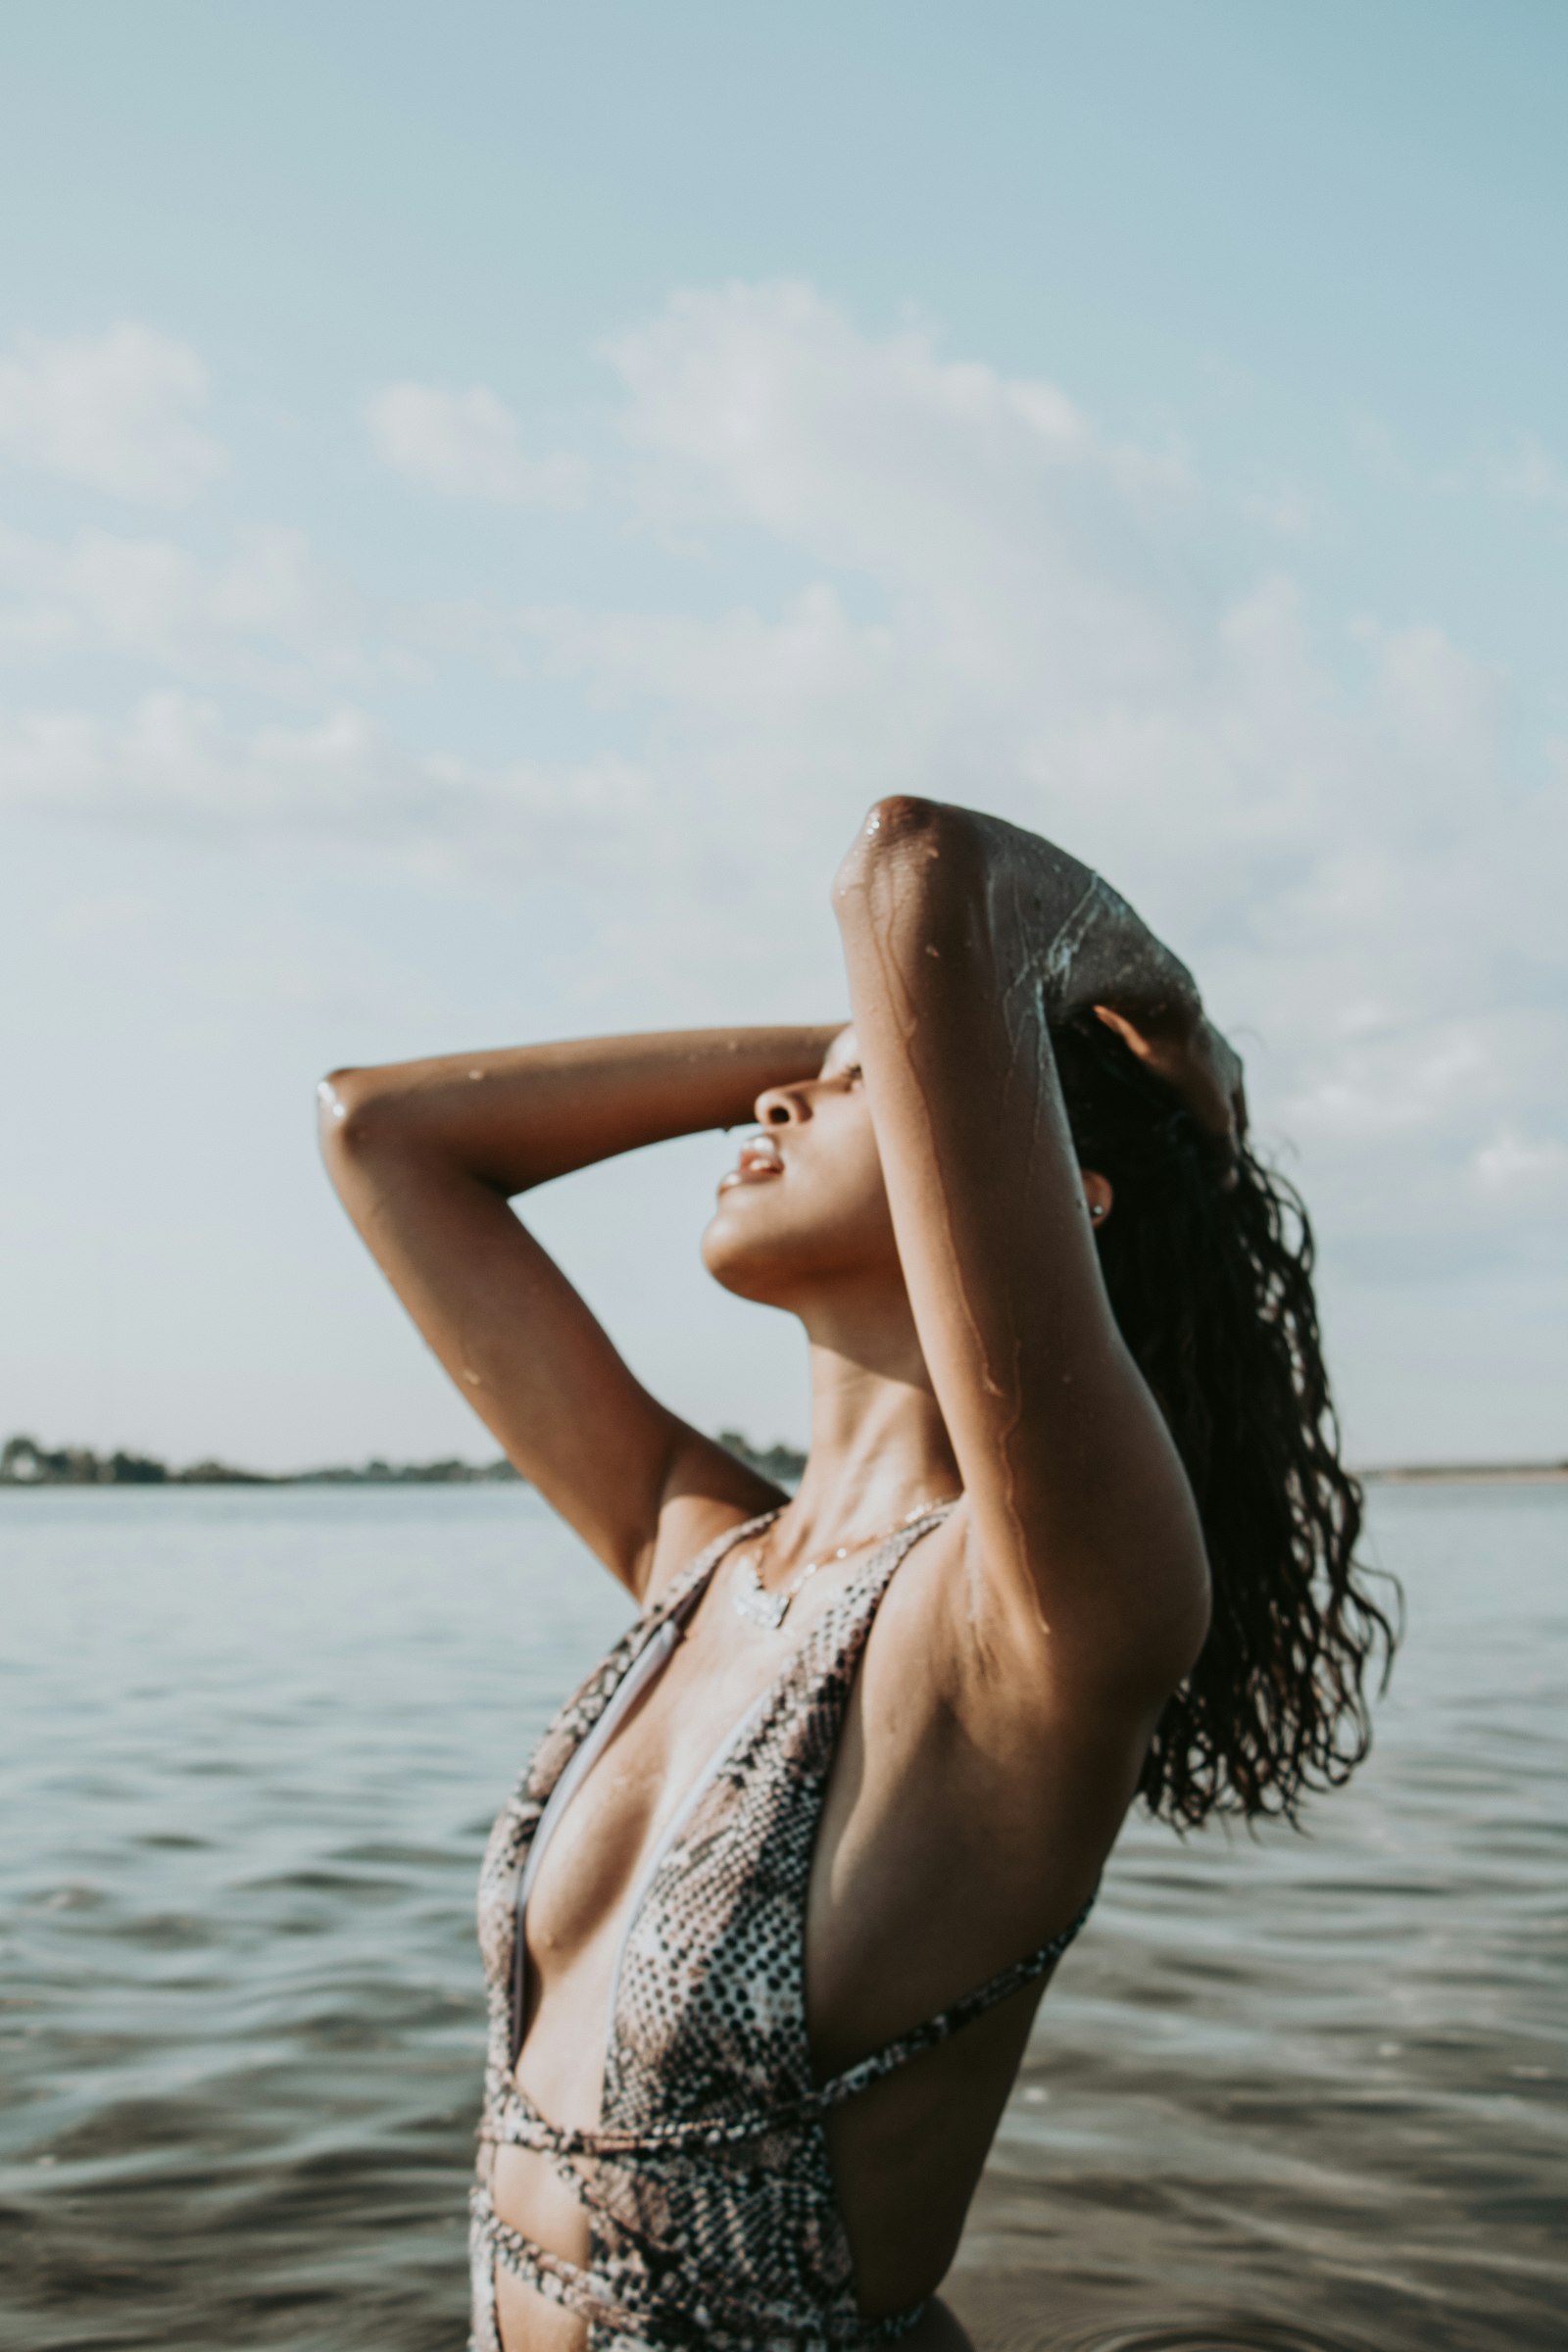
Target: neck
{"type": "Point", "coordinates": [879, 1445]}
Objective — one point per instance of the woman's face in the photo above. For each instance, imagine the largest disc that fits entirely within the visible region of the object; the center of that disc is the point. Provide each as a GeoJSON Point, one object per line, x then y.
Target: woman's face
{"type": "Point", "coordinates": [806, 1205]}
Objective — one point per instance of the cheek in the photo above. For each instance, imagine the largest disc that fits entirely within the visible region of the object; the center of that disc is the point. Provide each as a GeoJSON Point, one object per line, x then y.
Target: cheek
{"type": "Point", "coordinates": [864, 1188]}
{"type": "Point", "coordinates": [846, 1201]}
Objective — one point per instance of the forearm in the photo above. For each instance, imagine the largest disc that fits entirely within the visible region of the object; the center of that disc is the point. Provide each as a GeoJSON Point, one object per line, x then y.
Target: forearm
{"type": "Point", "coordinates": [519, 1116]}
{"type": "Point", "coordinates": [1061, 924]}
{"type": "Point", "coordinates": [1052, 938]}
{"type": "Point", "coordinates": [983, 1180]}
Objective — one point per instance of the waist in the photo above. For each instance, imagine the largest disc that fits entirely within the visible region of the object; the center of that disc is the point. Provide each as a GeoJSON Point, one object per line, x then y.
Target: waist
{"type": "Point", "coordinates": [706, 2291]}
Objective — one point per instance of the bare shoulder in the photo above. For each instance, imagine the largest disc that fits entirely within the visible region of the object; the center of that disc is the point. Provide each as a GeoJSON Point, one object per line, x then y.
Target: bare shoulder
{"type": "Point", "coordinates": [707, 1494]}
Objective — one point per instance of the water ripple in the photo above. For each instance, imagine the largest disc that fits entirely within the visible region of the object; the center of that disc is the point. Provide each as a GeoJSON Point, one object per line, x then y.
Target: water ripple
{"type": "Point", "coordinates": [1288, 2095]}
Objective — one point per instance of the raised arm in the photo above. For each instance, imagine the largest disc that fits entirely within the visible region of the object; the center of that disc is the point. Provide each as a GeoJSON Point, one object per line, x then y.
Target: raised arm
{"type": "Point", "coordinates": [426, 1156]}
{"type": "Point", "coordinates": [964, 938]}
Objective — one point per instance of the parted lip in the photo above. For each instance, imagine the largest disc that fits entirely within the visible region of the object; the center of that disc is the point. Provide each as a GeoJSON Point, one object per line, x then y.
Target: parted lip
{"type": "Point", "coordinates": [760, 1159]}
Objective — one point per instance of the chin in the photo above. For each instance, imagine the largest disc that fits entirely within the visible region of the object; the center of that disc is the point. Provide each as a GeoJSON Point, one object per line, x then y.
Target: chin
{"type": "Point", "coordinates": [788, 1259]}
{"type": "Point", "coordinates": [746, 1263]}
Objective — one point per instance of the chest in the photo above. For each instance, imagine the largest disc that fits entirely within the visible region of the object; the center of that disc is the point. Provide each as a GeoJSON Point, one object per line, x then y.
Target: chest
{"type": "Point", "coordinates": [714, 1838]}
{"type": "Point", "coordinates": [757, 1865]}
{"type": "Point", "coordinates": [626, 1797]}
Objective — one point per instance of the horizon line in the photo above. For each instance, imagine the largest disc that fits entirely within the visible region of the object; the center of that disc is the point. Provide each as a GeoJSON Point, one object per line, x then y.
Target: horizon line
{"type": "Point", "coordinates": [83, 1466]}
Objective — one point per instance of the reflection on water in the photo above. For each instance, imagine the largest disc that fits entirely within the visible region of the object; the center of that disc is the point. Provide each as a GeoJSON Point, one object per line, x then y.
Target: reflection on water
{"type": "Point", "coordinates": [1253, 2335]}
{"type": "Point", "coordinates": [1286, 2095]}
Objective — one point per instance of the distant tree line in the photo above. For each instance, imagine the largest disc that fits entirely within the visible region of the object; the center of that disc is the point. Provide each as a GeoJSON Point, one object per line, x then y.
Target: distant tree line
{"type": "Point", "coordinates": [781, 1464]}
{"type": "Point", "coordinates": [24, 1462]}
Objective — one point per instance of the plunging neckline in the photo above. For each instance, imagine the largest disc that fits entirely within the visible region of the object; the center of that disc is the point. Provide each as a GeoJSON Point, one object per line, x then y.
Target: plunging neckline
{"type": "Point", "coordinates": [662, 1630]}
{"type": "Point", "coordinates": [707, 2177]}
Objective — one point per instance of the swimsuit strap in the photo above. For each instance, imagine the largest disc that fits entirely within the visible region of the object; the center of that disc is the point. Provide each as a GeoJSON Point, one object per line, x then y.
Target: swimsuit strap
{"type": "Point", "coordinates": [702, 2315]}
{"type": "Point", "coordinates": [586, 1723]}
{"type": "Point", "coordinates": [950, 2021]}
{"type": "Point", "coordinates": [516, 2120]}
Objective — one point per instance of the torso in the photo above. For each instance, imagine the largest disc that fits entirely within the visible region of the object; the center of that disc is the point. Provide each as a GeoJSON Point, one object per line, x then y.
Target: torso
{"type": "Point", "coordinates": [965, 1821]}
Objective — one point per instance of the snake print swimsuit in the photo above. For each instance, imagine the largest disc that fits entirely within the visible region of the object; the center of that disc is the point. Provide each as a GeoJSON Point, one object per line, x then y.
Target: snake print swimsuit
{"type": "Point", "coordinates": [712, 2213]}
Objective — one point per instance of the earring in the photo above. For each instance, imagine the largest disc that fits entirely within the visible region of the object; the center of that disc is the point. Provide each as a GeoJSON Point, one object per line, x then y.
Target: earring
{"type": "Point", "coordinates": [1098, 1210]}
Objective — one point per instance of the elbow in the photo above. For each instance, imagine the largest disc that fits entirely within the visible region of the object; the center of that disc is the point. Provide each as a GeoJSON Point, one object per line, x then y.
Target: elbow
{"type": "Point", "coordinates": [899, 812]}
{"type": "Point", "coordinates": [903, 820]}
{"type": "Point", "coordinates": [331, 1096]}
{"type": "Point", "coordinates": [905, 844]}
{"type": "Point", "coordinates": [343, 1115]}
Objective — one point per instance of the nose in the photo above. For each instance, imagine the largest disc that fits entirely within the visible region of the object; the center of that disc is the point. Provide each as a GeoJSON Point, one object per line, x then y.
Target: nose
{"type": "Point", "coordinates": [781, 1106]}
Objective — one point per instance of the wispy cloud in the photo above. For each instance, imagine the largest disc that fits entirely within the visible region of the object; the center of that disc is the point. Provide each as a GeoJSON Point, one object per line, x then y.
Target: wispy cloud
{"type": "Point", "coordinates": [1521, 1168]}
{"type": "Point", "coordinates": [117, 411]}
{"type": "Point", "coordinates": [979, 594]}
{"type": "Point", "coordinates": [466, 445]}
{"type": "Point", "coordinates": [176, 762]}
{"type": "Point", "coordinates": [268, 614]}
{"type": "Point", "coordinates": [767, 404]}
{"type": "Point", "coordinates": [1528, 472]}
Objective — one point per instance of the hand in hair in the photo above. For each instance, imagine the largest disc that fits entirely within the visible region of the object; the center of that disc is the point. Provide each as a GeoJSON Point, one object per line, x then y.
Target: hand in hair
{"type": "Point", "coordinates": [1202, 1066]}
{"type": "Point", "coordinates": [1089, 949]}
{"type": "Point", "coordinates": [965, 935]}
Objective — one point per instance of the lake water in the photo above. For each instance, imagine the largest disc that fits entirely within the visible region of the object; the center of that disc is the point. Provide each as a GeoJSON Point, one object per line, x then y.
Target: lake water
{"type": "Point", "coordinates": [1287, 2092]}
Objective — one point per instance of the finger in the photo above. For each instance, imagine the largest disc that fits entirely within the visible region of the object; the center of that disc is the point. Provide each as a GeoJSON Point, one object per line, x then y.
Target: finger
{"type": "Point", "coordinates": [1124, 1029]}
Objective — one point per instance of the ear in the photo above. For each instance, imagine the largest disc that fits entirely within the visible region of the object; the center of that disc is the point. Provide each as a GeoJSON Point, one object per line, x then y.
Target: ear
{"type": "Point", "coordinates": [1098, 1196]}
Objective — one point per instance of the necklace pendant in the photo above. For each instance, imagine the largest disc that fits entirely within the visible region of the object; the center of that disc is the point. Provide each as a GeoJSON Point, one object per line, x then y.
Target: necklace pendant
{"type": "Point", "coordinates": [754, 1601]}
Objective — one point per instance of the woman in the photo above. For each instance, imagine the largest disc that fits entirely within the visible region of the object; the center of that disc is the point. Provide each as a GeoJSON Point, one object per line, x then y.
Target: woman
{"type": "Point", "coordinates": [1072, 1529]}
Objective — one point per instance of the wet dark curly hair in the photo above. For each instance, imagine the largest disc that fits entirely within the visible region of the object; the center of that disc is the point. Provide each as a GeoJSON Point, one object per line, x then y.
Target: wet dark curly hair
{"type": "Point", "coordinates": [1212, 1291]}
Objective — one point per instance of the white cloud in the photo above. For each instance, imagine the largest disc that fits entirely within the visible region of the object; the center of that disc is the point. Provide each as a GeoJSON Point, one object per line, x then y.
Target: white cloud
{"type": "Point", "coordinates": [1280, 506]}
{"type": "Point", "coordinates": [115, 412]}
{"type": "Point", "coordinates": [978, 594]}
{"type": "Point", "coordinates": [1528, 472]}
{"type": "Point", "coordinates": [764, 405]}
{"type": "Point", "coordinates": [266, 616]}
{"type": "Point", "coordinates": [464, 445]}
{"type": "Point", "coordinates": [1514, 1166]}
{"type": "Point", "coordinates": [1003, 606]}
{"type": "Point", "coordinates": [173, 761]}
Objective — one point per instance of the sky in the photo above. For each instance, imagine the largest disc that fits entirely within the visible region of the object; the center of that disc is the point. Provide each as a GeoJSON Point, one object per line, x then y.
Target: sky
{"type": "Point", "coordinates": [488, 494]}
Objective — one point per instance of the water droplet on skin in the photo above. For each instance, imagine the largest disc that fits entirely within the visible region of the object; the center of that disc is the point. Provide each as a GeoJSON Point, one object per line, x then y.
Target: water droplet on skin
{"type": "Point", "coordinates": [476, 1073]}
{"type": "Point", "coordinates": [471, 1376]}
{"type": "Point", "coordinates": [331, 1100]}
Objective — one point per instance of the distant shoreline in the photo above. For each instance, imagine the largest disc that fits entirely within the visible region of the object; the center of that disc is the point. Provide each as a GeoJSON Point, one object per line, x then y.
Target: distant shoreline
{"type": "Point", "coordinates": [1466, 1474]}
{"type": "Point", "coordinates": [24, 1464]}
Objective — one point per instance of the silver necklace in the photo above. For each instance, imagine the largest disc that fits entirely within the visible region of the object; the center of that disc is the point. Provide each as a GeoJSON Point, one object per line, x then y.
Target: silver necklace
{"type": "Point", "coordinates": [759, 1607]}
